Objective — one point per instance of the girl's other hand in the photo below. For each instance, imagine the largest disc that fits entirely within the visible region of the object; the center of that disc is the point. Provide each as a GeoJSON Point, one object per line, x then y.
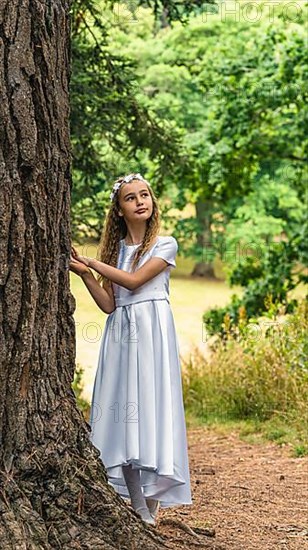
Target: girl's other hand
{"type": "Point", "coordinates": [78, 267]}
{"type": "Point", "coordinates": [83, 259]}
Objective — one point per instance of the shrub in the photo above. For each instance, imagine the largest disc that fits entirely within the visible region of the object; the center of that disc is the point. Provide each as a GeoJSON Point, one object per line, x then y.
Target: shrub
{"type": "Point", "coordinates": [253, 378]}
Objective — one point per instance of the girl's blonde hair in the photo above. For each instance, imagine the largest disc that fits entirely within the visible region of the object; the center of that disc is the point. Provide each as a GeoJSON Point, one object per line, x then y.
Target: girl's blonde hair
{"type": "Point", "coordinates": [115, 229]}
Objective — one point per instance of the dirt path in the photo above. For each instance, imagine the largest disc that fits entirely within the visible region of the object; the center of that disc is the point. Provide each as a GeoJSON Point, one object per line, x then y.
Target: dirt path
{"type": "Point", "coordinates": [254, 496]}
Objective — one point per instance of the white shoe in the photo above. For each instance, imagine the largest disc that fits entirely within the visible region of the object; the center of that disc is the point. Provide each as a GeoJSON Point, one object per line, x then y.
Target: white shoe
{"type": "Point", "coordinates": [153, 506]}
{"type": "Point", "coordinates": [146, 515]}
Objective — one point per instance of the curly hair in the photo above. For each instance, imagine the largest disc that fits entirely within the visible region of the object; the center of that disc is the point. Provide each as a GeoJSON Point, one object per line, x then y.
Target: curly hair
{"type": "Point", "coordinates": [115, 229]}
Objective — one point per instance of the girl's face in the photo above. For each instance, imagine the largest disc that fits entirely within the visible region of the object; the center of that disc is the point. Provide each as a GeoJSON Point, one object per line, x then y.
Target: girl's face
{"type": "Point", "coordinates": [135, 201]}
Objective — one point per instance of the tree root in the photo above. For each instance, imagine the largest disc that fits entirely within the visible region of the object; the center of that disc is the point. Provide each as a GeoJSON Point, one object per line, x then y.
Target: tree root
{"type": "Point", "coordinates": [194, 533]}
{"type": "Point", "coordinates": [65, 504]}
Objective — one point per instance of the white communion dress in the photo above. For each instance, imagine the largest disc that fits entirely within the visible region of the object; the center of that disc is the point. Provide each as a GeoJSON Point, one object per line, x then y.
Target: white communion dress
{"type": "Point", "coordinates": [137, 411]}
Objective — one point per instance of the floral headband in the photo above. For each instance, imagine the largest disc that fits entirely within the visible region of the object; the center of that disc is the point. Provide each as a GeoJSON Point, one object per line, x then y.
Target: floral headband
{"type": "Point", "coordinates": [127, 179]}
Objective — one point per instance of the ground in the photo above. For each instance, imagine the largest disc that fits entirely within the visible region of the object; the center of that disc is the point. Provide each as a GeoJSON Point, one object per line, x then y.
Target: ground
{"type": "Point", "coordinates": [253, 495]}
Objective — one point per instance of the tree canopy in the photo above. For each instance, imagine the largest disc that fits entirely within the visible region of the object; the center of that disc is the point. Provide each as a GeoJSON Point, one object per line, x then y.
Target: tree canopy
{"type": "Point", "coordinates": [232, 93]}
{"type": "Point", "coordinates": [218, 126]}
{"type": "Point", "coordinates": [110, 127]}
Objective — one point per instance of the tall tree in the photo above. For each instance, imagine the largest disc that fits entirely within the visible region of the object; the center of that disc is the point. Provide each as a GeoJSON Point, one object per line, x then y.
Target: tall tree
{"type": "Point", "coordinates": [54, 489]}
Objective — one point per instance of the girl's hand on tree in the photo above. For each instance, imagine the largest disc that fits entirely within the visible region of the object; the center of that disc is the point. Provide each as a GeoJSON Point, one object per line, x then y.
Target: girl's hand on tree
{"type": "Point", "coordinates": [78, 267]}
{"type": "Point", "coordinates": [83, 259]}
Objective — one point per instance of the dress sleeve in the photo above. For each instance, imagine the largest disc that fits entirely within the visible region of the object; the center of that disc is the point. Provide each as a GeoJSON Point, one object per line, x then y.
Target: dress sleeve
{"type": "Point", "coordinates": [166, 249]}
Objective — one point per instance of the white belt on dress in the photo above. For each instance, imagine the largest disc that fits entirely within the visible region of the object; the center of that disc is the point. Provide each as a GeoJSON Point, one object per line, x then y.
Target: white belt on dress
{"type": "Point", "coordinates": [145, 296]}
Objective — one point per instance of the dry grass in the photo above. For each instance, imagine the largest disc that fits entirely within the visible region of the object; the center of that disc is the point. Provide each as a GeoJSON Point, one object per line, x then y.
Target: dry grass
{"type": "Point", "coordinates": [260, 379]}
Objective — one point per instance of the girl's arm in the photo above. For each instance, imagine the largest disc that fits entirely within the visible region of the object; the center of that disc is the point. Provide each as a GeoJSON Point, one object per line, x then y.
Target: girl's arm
{"type": "Point", "coordinates": [103, 297]}
{"type": "Point", "coordinates": [131, 281]}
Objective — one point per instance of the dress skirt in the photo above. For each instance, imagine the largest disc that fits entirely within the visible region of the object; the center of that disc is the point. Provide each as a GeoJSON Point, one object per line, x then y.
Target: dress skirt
{"type": "Point", "coordinates": [137, 412]}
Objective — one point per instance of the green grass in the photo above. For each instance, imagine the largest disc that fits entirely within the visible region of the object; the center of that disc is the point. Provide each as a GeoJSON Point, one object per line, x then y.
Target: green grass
{"type": "Point", "coordinates": [255, 432]}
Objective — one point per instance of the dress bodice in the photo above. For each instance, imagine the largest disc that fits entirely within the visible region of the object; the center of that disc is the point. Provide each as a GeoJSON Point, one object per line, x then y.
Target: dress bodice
{"type": "Point", "coordinates": [157, 288]}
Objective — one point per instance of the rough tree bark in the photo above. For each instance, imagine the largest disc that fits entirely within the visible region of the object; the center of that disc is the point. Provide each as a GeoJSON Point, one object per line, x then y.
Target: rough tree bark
{"type": "Point", "coordinates": [53, 487]}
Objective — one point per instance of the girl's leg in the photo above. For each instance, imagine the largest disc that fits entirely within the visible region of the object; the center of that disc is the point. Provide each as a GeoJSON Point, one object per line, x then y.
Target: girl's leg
{"type": "Point", "coordinates": [132, 479]}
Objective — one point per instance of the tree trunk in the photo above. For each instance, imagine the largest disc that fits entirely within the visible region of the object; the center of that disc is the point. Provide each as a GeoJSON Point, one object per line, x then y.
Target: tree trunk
{"type": "Point", "coordinates": [205, 241]}
{"type": "Point", "coordinates": [164, 20]}
{"type": "Point", "coordinates": [54, 491]}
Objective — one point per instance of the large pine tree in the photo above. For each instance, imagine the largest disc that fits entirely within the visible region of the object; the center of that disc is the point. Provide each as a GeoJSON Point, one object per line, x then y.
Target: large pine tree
{"type": "Point", "coordinates": [53, 487]}
{"type": "Point", "coordinates": [54, 492]}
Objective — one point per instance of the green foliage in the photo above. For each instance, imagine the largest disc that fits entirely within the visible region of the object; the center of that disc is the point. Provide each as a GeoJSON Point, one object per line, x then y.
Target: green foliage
{"type": "Point", "coordinates": [236, 116]}
{"type": "Point", "coordinates": [265, 252]}
{"type": "Point", "coordinates": [77, 387]}
{"type": "Point", "coordinates": [110, 128]}
{"type": "Point", "coordinates": [300, 450]}
{"type": "Point", "coordinates": [168, 11]}
{"type": "Point", "coordinates": [262, 375]}
{"type": "Point", "coordinates": [236, 113]}
{"type": "Point", "coordinates": [229, 134]}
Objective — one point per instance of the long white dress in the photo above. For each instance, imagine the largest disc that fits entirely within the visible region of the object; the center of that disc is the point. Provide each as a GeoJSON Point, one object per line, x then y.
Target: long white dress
{"type": "Point", "coordinates": [137, 412]}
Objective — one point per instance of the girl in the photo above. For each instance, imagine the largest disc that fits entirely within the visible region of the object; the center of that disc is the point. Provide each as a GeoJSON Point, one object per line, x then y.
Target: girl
{"type": "Point", "coordinates": [137, 414]}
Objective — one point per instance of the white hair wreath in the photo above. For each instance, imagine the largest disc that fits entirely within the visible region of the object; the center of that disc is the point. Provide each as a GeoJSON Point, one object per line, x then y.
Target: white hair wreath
{"type": "Point", "coordinates": [127, 179]}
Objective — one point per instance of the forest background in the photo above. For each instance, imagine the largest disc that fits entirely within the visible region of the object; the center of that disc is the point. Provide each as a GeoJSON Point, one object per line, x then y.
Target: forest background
{"type": "Point", "coordinates": [212, 111]}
